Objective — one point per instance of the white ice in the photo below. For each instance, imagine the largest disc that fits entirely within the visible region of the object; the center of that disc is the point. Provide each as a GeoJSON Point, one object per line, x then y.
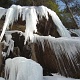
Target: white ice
{"type": "Point", "coordinates": [10, 43]}
{"type": "Point", "coordinates": [20, 68]}
{"type": "Point", "coordinates": [30, 14]}
{"type": "Point", "coordinates": [68, 46]}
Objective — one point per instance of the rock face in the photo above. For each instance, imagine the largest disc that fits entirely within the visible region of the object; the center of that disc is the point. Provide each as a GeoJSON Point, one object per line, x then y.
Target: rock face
{"type": "Point", "coordinates": [52, 62]}
{"type": "Point", "coordinates": [47, 27]}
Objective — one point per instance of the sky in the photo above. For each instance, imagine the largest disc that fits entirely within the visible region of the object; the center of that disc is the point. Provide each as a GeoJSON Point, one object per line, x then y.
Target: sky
{"type": "Point", "coordinates": [61, 4]}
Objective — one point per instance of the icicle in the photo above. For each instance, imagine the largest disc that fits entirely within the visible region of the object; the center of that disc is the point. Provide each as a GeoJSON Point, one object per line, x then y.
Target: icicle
{"type": "Point", "coordinates": [31, 21]}
{"type": "Point", "coordinates": [42, 12]}
{"type": "Point", "coordinates": [10, 43]}
{"type": "Point", "coordinates": [60, 27]}
{"type": "Point", "coordinates": [62, 46]}
{"type": "Point", "coordinates": [11, 16]}
{"type": "Point", "coordinates": [30, 14]}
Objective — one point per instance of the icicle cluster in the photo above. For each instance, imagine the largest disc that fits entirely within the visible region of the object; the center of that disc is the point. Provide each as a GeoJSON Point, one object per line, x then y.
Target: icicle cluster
{"type": "Point", "coordinates": [20, 68]}
{"type": "Point", "coordinates": [10, 43]}
{"type": "Point", "coordinates": [70, 47]}
{"type": "Point", "coordinates": [30, 14]}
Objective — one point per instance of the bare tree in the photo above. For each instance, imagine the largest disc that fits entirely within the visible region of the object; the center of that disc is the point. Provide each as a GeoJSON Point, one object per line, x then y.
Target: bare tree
{"type": "Point", "coordinates": [67, 2]}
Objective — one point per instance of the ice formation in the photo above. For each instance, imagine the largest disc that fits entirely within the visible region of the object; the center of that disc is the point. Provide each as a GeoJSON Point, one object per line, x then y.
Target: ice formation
{"type": "Point", "coordinates": [8, 42]}
{"type": "Point", "coordinates": [30, 15]}
{"type": "Point", "coordinates": [20, 68]}
{"type": "Point", "coordinates": [70, 47]}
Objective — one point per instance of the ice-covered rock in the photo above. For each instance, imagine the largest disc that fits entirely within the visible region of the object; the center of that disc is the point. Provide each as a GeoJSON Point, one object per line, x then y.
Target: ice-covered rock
{"type": "Point", "coordinates": [20, 68]}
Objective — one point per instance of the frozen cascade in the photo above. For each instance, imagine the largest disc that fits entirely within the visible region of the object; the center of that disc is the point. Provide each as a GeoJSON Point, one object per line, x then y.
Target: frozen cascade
{"type": "Point", "coordinates": [20, 68]}
{"type": "Point", "coordinates": [30, 14]}
{"type": "Point", "coordinates": [11, 16]}
{"type": "Point", "coordinates": [70, 47]}
{"type": "Point", "coordinates": [60, 27]}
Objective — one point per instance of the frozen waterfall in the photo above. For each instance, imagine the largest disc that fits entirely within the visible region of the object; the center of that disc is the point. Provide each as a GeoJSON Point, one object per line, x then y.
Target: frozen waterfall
{"type": "Point", "coordinates": [30, 15]}
{"type": "Point", "coordinates": [66, 50]}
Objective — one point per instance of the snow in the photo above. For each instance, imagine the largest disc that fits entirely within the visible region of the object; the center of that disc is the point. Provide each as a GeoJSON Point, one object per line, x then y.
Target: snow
{"type": "Point", "coordinates": [57, 77]}
{"type": "Point", "coordinates": [20, 68]}
{"type": "Point", "coordinates": [31, 21]}
{"type": "Point", "coordinates": [2, 78]}
{"type": "Point", "coordinates": [30, 14]}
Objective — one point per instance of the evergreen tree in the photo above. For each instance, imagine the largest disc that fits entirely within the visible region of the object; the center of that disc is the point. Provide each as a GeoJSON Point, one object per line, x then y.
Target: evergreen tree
{"type": "Point", "coordinates": [67, 3]}
{"type": "Point", "coordinates": [5, 3]}
{"type": "Point", "coordinates": [48, 3]}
